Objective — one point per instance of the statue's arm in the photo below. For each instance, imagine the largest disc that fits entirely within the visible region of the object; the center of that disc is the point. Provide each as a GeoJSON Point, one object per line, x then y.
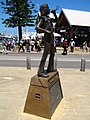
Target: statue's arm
{"type": "Point", "coordinates": [40, 23]}
{"type": "Point", "coordinates": [54, 13]}
{"type": "Point", "coordinates": [39, 27]}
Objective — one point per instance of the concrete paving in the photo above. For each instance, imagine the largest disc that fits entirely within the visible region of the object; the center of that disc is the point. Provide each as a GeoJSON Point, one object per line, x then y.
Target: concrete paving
{"type": "Point", "coordinates": [14, 84]}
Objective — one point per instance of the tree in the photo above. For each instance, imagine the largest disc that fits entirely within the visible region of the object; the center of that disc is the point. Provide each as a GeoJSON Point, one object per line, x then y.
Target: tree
{"type": "Point", "coordinates": [21, 13]}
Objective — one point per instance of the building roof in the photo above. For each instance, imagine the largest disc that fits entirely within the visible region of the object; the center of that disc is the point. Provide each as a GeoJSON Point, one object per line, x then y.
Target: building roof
{"type": "Point", "coordinates": [76, 17]}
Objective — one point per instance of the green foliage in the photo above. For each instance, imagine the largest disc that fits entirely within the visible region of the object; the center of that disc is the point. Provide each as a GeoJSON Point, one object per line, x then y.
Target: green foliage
{"type": "Point", "coordinates": [20, 12]}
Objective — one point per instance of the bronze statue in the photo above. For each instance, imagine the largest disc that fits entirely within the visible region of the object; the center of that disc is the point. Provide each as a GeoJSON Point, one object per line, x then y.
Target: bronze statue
{"type": "Point", "coordinates": [45, 26]}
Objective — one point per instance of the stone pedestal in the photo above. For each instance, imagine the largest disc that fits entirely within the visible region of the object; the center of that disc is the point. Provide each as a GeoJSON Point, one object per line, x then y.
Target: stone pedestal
{"type": "Point", "coordinates": [44, 95]}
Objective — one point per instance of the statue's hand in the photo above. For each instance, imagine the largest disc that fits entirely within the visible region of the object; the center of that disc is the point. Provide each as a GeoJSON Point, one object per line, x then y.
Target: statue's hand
{"type": "Point", "coordinates": [38, 30]}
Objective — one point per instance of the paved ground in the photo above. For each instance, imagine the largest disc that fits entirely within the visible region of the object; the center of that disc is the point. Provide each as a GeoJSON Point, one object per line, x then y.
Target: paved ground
{"type": "Point", "coordinates": [14, 84]}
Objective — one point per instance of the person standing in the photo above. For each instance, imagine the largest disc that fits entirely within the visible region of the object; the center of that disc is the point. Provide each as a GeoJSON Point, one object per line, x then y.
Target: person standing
{"type": "Point", "coordinates": [72, 45]}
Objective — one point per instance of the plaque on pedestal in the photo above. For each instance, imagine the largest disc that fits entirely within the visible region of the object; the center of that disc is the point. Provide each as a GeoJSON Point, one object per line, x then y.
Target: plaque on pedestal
{"type": "Point", "coordinates": [44, 95]}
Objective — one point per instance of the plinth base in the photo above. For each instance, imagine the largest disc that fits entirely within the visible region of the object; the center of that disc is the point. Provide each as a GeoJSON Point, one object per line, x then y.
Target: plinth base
{"type": "Point", "coordinates": [44, 95]}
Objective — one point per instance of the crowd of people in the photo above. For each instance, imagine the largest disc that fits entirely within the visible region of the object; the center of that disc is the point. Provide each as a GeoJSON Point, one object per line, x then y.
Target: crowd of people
{"type": "Point", "coordinates": [29, 45]}
{"type": "Point", "coordinates": [8, 45]}
{"type": "Point", "coordinates": [24, 45]}
{"type": "Point", "coordinates": [34, 44]}
{"type": "Point", "coordinates": [65, 44]}
{"type": "Point", "coordinates": [71, 45]}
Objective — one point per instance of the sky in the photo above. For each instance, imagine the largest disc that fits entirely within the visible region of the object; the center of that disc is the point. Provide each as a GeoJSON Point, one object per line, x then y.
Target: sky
{"type": "Point", "coordinates": [83, 5]}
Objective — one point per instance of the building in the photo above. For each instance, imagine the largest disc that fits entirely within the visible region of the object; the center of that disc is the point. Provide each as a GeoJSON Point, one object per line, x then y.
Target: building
{"type": "Point", "coordinates": [74, 24]}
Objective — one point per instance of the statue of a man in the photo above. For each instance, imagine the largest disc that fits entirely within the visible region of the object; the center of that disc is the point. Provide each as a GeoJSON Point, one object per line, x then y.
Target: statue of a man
{"type": "Point", "coordinates": [45, 26]}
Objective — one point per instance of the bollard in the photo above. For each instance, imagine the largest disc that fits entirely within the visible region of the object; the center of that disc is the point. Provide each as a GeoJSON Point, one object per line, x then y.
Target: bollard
{"type": "Point", "coordinates": [55, 63]}
{"type": "Point", "coordinates": [83, 64]}
{"type": "Point", "coordinates": [28, 63]}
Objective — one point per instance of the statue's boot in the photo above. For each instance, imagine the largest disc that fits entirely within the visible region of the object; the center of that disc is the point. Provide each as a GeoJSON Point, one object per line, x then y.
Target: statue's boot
{"type": "Point", "coordinates": [43, 75]}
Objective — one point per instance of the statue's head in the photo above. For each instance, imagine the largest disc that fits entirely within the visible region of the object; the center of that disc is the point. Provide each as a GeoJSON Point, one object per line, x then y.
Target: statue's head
{"type": "Point", "coordinates": [44, 9]}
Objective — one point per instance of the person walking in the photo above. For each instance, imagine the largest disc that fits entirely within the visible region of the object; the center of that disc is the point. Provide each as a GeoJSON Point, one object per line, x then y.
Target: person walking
{"type": "Point", "coordinates": [38, 46]}
{"type": "Point", "coordinates": [32, 44]}
{"type": "Point", "coordinates": [65, 46]}
{"type": "Point", "coordinates": [85, 47]}
{"type": "Point", "coordinates": [28, 45]}
{"type": "Point", "coordinates": [21, 46]}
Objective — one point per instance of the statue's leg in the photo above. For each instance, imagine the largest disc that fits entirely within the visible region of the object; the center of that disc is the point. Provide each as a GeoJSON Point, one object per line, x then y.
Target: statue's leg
{"type": "Point", "coordinates": [44, 57]}
{"type": "Point", "coordinates": [51, 59]}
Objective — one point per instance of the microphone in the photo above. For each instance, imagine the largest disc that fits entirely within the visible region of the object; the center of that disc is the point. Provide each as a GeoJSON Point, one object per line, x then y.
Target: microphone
{"type": "Point", "coordinates": [57, 7]}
